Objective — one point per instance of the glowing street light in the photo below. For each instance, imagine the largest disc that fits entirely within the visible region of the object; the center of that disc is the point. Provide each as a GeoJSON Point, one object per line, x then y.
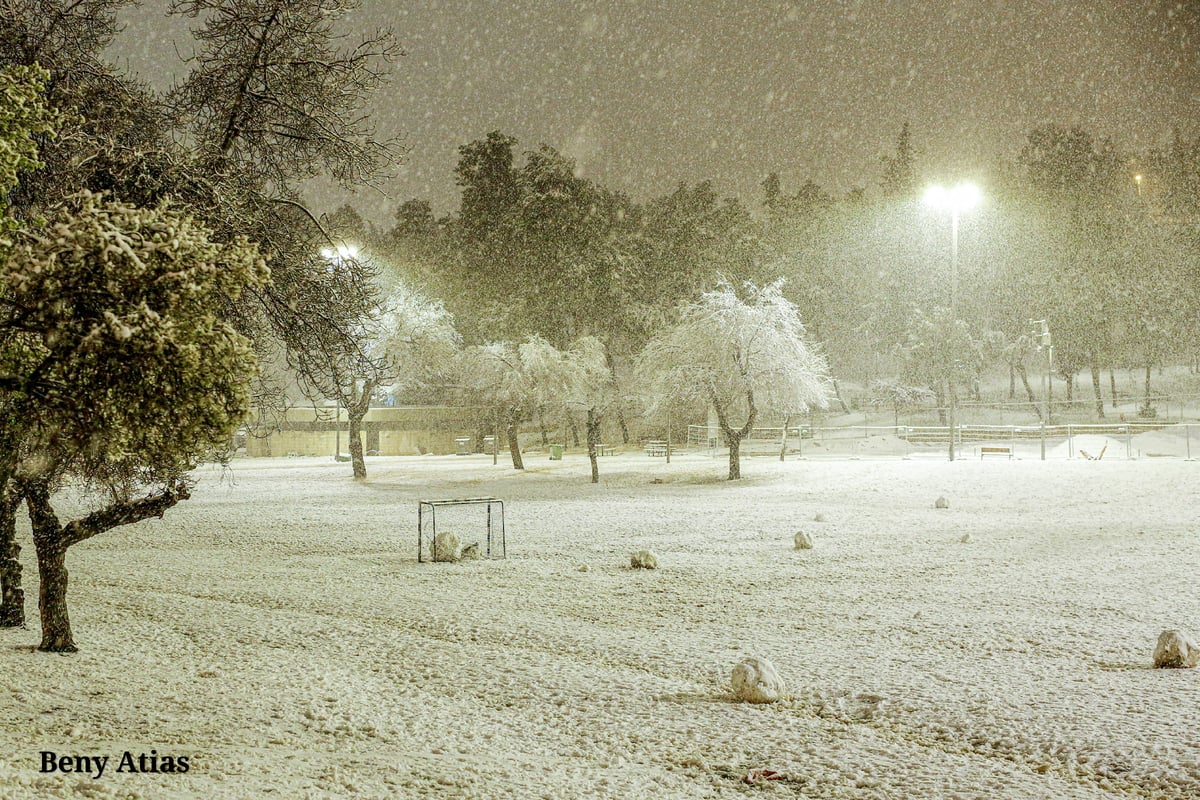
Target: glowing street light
{"type": "Point", "coordinates": [336, 255]}
{"type": "Point", "coordinates": [957, 199]}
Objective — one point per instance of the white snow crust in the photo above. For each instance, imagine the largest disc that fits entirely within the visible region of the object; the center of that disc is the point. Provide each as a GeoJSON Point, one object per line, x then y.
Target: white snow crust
{"type": "Point", "coordinates": [278, 630]}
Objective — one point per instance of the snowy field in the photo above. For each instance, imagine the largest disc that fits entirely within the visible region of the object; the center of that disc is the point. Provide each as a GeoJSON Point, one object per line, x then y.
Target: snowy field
{"type": "Point", "coordinates": [278, 630]}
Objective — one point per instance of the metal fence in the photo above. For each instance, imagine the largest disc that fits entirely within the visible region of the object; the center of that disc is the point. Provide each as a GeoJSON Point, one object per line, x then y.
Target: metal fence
{"type": "Point", "coordinates": [1126, 440]}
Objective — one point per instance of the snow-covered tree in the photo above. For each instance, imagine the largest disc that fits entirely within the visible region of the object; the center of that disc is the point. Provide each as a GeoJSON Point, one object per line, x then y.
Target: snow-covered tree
{"type": "Point", "coordinates": [404, 340]}
{"type": "Point", "coordinates": [593, 389]}
{"type": "Point", "coordinates": [118, 372]}
{"type": "Point", "coordinates": [740, 355]}
{"type": "Point", "coordinates": [23, 116]}
{"type": "Point", "coordinates": [493, 376]}
{"type": "Point", "coordinates": [514, 380]}
{"type": "Point", "coordinates": [575, 378]}
{"type": "Point", "coordinates": [938, 353]}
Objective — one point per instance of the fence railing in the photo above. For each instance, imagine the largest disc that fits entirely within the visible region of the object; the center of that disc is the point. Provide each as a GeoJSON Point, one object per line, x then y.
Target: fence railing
{"type": "Point", "coordinates": [1126, 440]}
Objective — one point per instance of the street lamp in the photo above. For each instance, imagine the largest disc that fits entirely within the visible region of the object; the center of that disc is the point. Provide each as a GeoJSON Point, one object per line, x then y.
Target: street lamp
{"type": "Point", "coordinates": [956, 199]}
{"type": "Point", "coordinates": [336, 255]}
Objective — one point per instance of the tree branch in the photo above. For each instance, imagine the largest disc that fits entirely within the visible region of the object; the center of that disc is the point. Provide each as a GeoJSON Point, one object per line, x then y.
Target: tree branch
{"type": "Point", "coordinates": [118, 514]}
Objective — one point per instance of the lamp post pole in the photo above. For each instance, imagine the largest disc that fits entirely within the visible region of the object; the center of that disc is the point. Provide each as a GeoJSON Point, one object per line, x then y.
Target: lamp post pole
{"type": "Point", "coordinates": [955, 200]}
{"type": "Point", "coordinates": [953, 318]}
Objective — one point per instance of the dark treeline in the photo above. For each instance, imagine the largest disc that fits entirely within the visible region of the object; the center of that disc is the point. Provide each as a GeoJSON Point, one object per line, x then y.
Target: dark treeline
{"type": "Point", "coordinates": [1100, 244]}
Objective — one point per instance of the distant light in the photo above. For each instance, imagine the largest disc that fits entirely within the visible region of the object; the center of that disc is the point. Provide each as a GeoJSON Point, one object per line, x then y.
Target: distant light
{"type": "Point", "coordinates": [347, 251]}
{"type": "Point", "coordinates": [1137, 178]}
{"type": "Point", "coordinates": [327, 252]}
{"type": "Point", "coordinates": [962, 197]}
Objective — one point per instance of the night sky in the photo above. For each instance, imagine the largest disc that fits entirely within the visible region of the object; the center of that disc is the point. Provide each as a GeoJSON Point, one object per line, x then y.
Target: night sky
{"type": "Point", "coordinates": [645, 95]}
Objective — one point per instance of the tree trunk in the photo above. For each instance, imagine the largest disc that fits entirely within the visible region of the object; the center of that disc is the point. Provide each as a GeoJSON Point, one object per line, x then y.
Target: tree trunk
{"type": "Point", "coordinates": [354, 417]}
{"type": "Point", "coordinates": [514, 447]}
{"type": "Point", "coordinates": [1095, 365]}
{"type": "Point", "coordinates": [541, 412]}
{"type": "Point", "coordinates": [593, 438]}
{"type": "Point", "coordinates": [52, 598]}
{"type": "Point", "coordinates": [612, 370]}
{"type": "Point", "coordinates": [51, 539]}
{"type": "Point", "coordinates": [783, 439]}
{"type": "Point", "coordinates": [734, 437]}
{"type": "Point", "coordinates": [1112, 385]}
{"type": "Point", "coordinates": [735, 456]}
{"type": "Point", "coordinates": [357, 404]}
{"type": "Point", "coordinates": [12, 595]}
{"type": "Point", "coordinates": [1070, 377]}
{"type": "Point", "coordinates": [940, 399]}
{"type": "Point", "coordinates": [1012, 382]}
{"type": "Point", "coordinates": [1029, 390]}
{"type": "Point", "coordinates": [52, 570]}
{"type": "Point", "coordinates": [574, 429]}
{"type": "Point", "coordinates": [1147, 385]}
{"type": "Point", "coordinates": [837, 392]}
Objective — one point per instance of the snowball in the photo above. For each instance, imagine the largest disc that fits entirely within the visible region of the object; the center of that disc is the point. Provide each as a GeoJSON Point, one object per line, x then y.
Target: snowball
{"type": "Point", "coordinates": [756, 681]}
{"type": "Point", "coordinates": [584, 568]}
{"type": "Point", "coordinates": [941, 502]}
{"type": "Point", "coordinates": [470, 552]}
{"type": "Point", "coordinates": [446, 547]}
{"type": "Point", "coordinates": [802, 541]}
{"type": "Point", "coordinates": [1176, 649]}
{"type": "Point", "coordinates": [643, 559]}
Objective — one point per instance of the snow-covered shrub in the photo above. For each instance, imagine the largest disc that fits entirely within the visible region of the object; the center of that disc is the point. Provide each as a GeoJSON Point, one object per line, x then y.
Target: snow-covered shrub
{"type": "Point", "coordinates": [756, 681]}
{"type": "Point", "coordinates": [802, 541]}
{"type": "Point", "coordinates": [941, 502]}
{"type": "Point", "coordinates": [643, 559]}
{"type": "Point", "coordinates": [1176, 649]}
{"type": "Point", "coordinates": [446, 547]}
{"type": "Point", "coordinates": [471, 552]}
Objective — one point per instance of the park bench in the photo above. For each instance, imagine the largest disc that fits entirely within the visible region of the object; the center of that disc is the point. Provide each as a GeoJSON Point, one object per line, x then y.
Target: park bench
{"type": "Point", "coordinates": [995, 450]}
{"type": "Point", "coordinates": [656, 448]}
{"type": "Point", "coordinates": [605, 450]}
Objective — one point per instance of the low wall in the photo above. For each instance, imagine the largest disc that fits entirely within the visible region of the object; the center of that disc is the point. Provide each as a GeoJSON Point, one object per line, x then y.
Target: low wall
{"type": "Point", "coordinates": [395, 431]}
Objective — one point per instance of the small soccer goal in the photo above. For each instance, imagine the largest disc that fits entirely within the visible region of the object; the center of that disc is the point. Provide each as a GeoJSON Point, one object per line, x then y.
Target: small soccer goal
{"type": "Point", "coordinates": [465, 516]}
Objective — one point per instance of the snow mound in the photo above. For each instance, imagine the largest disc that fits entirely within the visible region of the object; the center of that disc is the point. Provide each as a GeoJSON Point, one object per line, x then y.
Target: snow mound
{"type": "Point", "coordinates": [446, 547]}
{"type": "Point", "coordinates": [941, 502]}
{"type": "Point", "coordinates": [802, 541]}
{"type": "Point", "coordinates": [756, 681]}
{"type": "Point", "coordinates": [1176, 649]}
{"type": "Point", "coordinates": [643, 559]}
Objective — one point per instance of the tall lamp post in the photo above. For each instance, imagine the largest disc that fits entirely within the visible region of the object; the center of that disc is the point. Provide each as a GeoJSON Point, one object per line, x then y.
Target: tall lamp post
{"type": "Point", "coordinates": [956, 199]}
{"type": "Point", "coordinates": [336, 256]}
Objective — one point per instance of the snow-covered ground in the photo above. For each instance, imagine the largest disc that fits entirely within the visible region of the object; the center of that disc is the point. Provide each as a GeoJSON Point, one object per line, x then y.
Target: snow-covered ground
{"type": "Point", "coordinates": [278, 630]}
